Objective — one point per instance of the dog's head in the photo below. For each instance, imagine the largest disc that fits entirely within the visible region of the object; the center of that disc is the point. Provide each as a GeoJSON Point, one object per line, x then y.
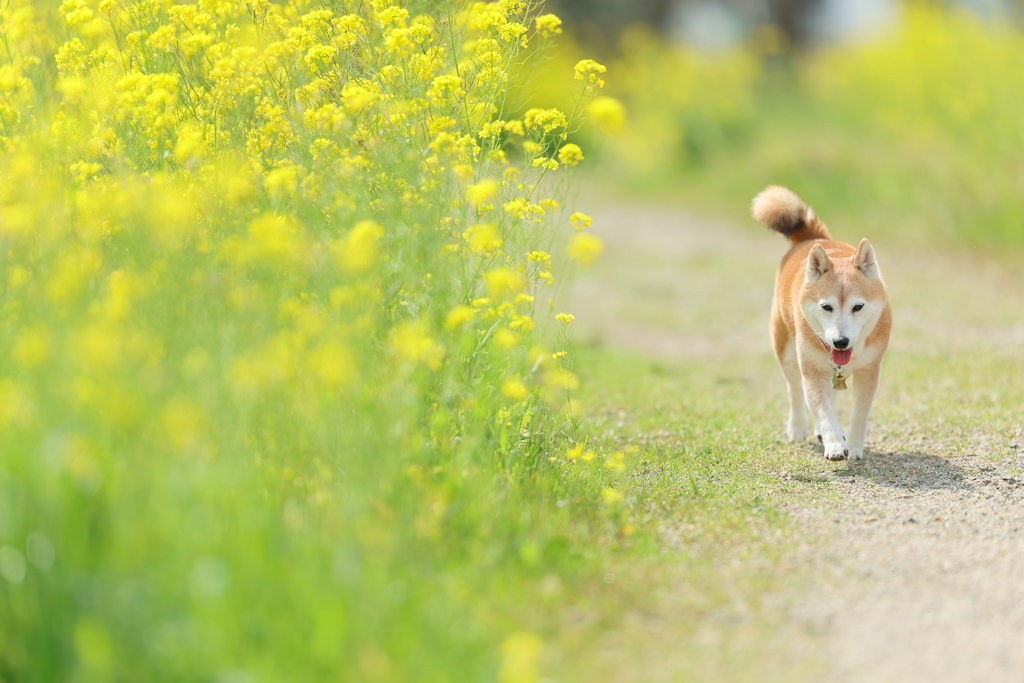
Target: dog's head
{"type": "Point", "coordinates": [843, 297]}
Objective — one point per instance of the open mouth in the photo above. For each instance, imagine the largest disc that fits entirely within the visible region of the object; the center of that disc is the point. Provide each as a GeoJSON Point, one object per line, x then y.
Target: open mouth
{"type": "Point", "coordinates": [841, 357]}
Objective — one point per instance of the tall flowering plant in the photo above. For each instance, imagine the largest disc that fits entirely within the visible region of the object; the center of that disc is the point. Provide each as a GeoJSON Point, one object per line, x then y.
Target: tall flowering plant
{"type": "Point", "coordinates": [270, 278]}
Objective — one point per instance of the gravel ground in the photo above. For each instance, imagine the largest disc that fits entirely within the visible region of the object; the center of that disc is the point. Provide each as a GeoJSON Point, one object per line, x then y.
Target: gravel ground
{"type": "Point", "coordinates": [921, 570]}
{"type": "Point", "coordinates": [918, 551]}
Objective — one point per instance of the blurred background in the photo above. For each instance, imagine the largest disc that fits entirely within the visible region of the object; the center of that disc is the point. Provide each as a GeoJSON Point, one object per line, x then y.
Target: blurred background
{"type": "Point", "coordinates": [904, 118]}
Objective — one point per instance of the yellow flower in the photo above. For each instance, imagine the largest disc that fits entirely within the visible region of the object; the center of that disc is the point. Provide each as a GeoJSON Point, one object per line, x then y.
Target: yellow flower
{"type": "Point", "coordinates": [514, 389]}
{"type": "Point", "coordinates": [521, 322]}
{"type": "Point", "coordinates": [548, 119]}
{"type": "Point", "coordinates": [355, 97]}
{"type": "Point", "coordinates": [541, 258]}
{"type": "Point", "coordinates": [607, 113]}
{"type": "Point", "coordinates": [515, 127]}
{"type": "Point", "coordinates": [458, 316]}
{"type": "Point", "coordinates": [483, 238]}
{"type": "Point", "coordinates": [358, 250]}
{"type": "Point", "coordinates": [482, 192]}
{"type": "Point", "coordinates": [548, 25]}
{"type": "Point", "coordinates": [616, 461]}
{"type": "Point", "coordinates": [411, 342]}
{"type": "Point", "coordinates": [320, 57]}
{"type": "Point", "coordinates": [506, 338]}
{"type": "Point", "coordinates": [574, 452]}
{"type": "Point", "coordinates": [565, 380]}
{"type": "Point", "coordinates": [75, 12]}
{"type": "Point", "coordinates": [491, 129]}
{"type": "Point", "coordinates": [503, 282]}
{"type": "Point", "coordinates": [611, 497]}
{"type": "Point", "coordinates": [282, 181]}
{"type": "Point", "coordinates": [332, 364]}
{"type": "Point", "coordinates": [390, 14]}
{"type": "Point", "coordinates": [585, 248]}
{"type": "Point", "coordinates": [565, 318]}
{"type": "Point", "coordinates": [580, 220]}
{"type": "Point", "coordinates": [587, 70]}
{"type": "Point", "coordinates": [398, 40]}
{"type": "Point", "coordinates": [191, 143]}
{"type": "Point", "coordinates": [445, 86]}
{"type": "Point", "coordinates": [512, 30]}
{"type": "Point", "coordinates": [570, 154]}
{"type": "Point", "coordinates": [520, 208]}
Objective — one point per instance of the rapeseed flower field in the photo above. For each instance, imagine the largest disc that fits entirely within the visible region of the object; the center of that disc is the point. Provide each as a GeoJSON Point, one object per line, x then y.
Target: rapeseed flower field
{"type": "Point", "coordinates": [275, 398]}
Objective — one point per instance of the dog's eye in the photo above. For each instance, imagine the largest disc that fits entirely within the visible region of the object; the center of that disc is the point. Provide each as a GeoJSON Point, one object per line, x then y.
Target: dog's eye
{"type": "Point", "coordinates": [858, 307]}
{"type": "Point", "coordinates": [827, 307]}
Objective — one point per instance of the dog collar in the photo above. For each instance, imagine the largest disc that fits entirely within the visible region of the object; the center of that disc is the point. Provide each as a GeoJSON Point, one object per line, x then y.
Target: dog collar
{"type": "Point", "coordinates": [838, 380]}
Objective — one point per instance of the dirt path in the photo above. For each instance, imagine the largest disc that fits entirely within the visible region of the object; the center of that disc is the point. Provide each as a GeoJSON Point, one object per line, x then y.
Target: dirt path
{"type": "Point", "coordinates": [919, 554]}
{"type": "Point", "coordinates": [938, 543]}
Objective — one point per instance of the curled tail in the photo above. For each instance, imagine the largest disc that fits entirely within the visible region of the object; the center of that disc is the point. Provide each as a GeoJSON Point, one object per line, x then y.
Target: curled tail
{"type": "Point", "coordinates": [784, 212]}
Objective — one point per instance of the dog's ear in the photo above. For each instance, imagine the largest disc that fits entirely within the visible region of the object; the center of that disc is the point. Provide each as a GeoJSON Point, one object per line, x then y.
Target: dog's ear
{"type": "Point", "coordinates": [865, 260]}
{"type": "Point", "coordinates": [818, 263]}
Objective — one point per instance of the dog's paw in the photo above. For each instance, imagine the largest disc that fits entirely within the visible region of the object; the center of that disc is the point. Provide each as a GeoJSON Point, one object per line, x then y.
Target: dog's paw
{"type": "Point", "coordinates": [836, 450]}
{"type": "Point", "coordinates": [856, 453]}
{"type": "Point", "coordinates": [796, 434]}
{"type": "Point", "coordinates": [796, 429]}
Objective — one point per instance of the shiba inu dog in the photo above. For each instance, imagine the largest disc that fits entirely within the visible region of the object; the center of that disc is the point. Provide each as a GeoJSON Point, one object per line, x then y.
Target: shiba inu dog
{"type": "Point", "coordinates": [830, 321]}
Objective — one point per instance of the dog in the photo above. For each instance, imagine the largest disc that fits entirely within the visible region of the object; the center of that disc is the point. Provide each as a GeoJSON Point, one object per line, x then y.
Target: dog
{"type": "Point", "coordinates": [830, 320]}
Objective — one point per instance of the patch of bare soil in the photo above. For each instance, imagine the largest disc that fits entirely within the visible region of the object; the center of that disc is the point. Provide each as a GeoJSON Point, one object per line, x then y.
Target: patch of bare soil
{"type": "Point", "coordinates": [918, 551]}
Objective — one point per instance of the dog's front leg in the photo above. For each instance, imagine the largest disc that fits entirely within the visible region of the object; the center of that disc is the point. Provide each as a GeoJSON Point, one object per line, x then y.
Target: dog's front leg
{"type": "Point", "coordinates": [817, 424]}
{"type": "Point", "coordinates": [818, 388]}
{"type": "Point", "coordinates": [865, 385]}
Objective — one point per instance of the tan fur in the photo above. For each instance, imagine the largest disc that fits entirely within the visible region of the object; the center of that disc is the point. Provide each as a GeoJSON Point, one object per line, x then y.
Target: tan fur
{"type": "Point", "coordinates": [784, 212]}
{"type": "Point", "coordinates": [818, 269]}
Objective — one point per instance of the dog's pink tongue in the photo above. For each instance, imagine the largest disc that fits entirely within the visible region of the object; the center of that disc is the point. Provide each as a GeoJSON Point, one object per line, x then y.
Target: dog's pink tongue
{"type": "Point", "coordinates": [841, 357]}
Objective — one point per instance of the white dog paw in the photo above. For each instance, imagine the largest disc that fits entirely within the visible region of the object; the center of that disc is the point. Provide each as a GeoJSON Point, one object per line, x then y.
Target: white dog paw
{"type": "Point", "coordinates": [796, 434]}
{"type": "Point", "coordinates": [856, 452]}
{"type": "Point", "coordinates": [836, 450]}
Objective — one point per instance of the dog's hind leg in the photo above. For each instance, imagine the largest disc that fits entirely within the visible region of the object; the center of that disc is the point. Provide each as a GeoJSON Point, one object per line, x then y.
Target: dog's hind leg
{"type": "Point", "coordinates": [796, 425]}
{"type": "Point", "coordinates": [865, 385]}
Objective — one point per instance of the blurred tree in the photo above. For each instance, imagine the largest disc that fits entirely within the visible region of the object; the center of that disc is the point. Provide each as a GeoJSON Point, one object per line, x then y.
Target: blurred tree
{"type": "Point", "coordinates": [792, 16]}
{"type": "Point", "coordinates": [598, 23]}
{"type": "Point", "coordinates": [611, 16]}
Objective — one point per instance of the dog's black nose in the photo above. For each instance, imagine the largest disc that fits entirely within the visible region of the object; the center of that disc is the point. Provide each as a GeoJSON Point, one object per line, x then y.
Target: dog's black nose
{"type": "Point", "coordinates": [841, 343]}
